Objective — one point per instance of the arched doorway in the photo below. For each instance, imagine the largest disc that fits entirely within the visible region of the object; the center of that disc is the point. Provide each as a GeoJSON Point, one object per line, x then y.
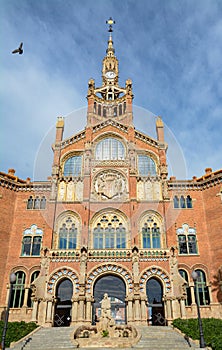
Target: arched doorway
{"type": "Point", "coordinates": [64, 291]}
{"type": "Point", "coordinates": [115, 287]}
{"type": "Point", "coordinates": [154, 291]}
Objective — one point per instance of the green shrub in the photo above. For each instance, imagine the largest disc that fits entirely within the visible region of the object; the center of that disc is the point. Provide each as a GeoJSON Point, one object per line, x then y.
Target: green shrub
{"type": "Point", "coordinates": [212, 329]}
{"type": "Point", "coordinates": [16, 331]}
{"type": "Point", "coordinates": [105, 333]}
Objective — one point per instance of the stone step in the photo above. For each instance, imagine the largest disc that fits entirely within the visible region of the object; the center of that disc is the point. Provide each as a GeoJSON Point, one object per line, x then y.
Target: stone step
{"type": "Point", "coordinates": [152, 338]}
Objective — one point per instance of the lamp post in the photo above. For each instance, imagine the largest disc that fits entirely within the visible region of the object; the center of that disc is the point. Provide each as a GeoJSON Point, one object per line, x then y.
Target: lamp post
{"type": "Point", "coordinates": [12, 281]}
{"type": "Point", "coordinates": [194, 275]}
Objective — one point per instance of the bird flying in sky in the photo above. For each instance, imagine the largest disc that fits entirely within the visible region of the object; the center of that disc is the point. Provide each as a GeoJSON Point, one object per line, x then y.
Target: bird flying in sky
{"type": "Point", "coordinates": [19, 49]}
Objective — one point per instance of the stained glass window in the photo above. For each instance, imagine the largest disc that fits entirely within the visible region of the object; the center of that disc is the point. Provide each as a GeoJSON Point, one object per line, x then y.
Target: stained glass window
{"type": "Point", "coordinates": [73, 166]}
{"type": "Point", "coordinates": [146, 166]}
{"type": "Point", "coordinates": [110, 149]}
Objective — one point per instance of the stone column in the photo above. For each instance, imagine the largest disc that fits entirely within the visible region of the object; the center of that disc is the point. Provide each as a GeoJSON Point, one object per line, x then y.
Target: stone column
{"type": "Point", "coordinates": [26, 294]}
{"type": "Point", "coordinates": [89, 301]}
{"type": "Point", "coordinates": [168, 310]}
{"type": "Point", "coordinates": [182, 308]}
{"type": "Point", "coordinates": [137, 309]}
{"type": "Point", "coordinates": [81, 308]}
{"type": "Point", "coordinates": [175, 308]}
{"type": "Point", "coordinates": [129, 301]}
{"type": "Point", "coordinates": [49, 312]}
{"type": "Point", "coordinates": [74, 310]}
{"type": "Point", "coordinates": [35, 311]}
{"type": "Point", "coordinates": [143, 310]}
{"type": "Point", "coordinates": [193, 302]}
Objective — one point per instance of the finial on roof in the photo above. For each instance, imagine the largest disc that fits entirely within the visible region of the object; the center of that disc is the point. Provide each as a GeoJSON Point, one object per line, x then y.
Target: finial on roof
{"type": "Point", "coordinates": [110, 50]}
{"type": "Point", "coordinates": [110, 22]}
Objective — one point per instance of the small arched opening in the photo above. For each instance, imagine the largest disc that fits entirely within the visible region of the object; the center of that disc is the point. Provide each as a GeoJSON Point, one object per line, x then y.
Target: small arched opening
{"type": "Point", "coordinates": [64, 292]}
{"type": "Point", "coordinates": [154, 291]}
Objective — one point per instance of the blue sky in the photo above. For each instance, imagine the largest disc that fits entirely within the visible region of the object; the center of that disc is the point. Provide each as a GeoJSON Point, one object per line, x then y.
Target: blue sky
{"type": "Point", "coordinates": [171, 49]}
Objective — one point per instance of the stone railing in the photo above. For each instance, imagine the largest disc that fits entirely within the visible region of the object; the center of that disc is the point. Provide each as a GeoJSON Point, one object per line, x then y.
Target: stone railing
{"type": "Point", "coordinates": [110, 254]}
{"type": "Point", "coordinates": [65, 255]}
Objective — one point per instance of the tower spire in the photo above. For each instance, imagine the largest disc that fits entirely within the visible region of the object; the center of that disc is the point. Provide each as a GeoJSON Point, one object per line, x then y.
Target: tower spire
{"type": "Point", "coordinates": [110, 50]}
{"type": "Point", "coordinates": [110, 21]}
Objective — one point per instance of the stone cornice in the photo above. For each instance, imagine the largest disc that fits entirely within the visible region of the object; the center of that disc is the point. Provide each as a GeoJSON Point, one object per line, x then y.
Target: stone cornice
{"type": "Point", "coordinates": [110, 122]}
{"type": "Point", "coordinates": [149, 140]}
{"type": "Point", "coordinates": [197, 184]}
{"type": "Point", "coordinates": [73, 139]}
{"type": "Point", "coordinates": [18, 185]}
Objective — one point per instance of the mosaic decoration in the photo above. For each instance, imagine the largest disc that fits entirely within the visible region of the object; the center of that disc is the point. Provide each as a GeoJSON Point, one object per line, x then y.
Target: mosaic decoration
{"type": "Point", "coordinates": [109, 268]}
{"type": "Point", "coordinates": [155, 272]}
{"type": "Point", "coordinates": [65, 272]}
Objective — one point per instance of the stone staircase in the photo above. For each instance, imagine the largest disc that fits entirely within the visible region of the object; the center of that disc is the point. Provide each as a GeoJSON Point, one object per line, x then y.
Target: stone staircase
{"type": "Point", "coordinates": [48, 339]}
{"type": "Point", "coordinates": [153, 338]}
{"type": "Point", "coordinates": [162, 338]}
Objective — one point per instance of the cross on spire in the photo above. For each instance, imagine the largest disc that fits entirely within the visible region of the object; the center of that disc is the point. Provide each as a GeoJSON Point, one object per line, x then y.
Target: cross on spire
{"type": "Point", "coordinates": [110, 22]}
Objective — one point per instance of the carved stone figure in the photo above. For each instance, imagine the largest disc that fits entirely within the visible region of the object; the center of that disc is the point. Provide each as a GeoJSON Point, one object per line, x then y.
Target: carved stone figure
{"type": "Point", "coordinates": [70, 191]}
{"type": "Point", "coordinates": [105, 306]}
{"type": "Point", "coordinates": [83, 262]}
{"type": "Point", "coordinates": [140, 190]}
{"type": "Point", "coordinates": [79, 191]}
{"type": "Point", "coordinates": [178, 282]}
{"type": "Point", "coordinates": [62, 191]}
{"type": "Point", "coordinates": [135, 261]}
{"type": "Point", "coordinates": [91, 87]}
{"type": "Point", "coordinates": [87, 162]}
{"type": "Point", "coordinates": [149, 190]}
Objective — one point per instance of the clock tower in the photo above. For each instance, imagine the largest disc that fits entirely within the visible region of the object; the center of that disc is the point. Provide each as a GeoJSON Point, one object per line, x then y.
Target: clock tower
{"type": "Point", "coordinates": [109, 101]}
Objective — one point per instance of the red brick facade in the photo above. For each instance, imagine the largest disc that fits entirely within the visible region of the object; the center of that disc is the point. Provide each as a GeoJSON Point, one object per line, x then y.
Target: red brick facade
{"type": "Point", "coordinates": [166, 224]}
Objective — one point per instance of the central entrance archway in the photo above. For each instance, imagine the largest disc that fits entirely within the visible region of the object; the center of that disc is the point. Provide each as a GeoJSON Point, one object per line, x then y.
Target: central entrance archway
{"type": "Point", "coordinates": [154, 291]}
{"type": "Point", "coordinates": [64, 291]}
{"type": "Point", "coordinates": [115, 287]}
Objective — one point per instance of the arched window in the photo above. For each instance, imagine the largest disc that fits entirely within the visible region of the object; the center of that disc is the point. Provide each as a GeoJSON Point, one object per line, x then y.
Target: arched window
{"type": "Point", "coordinates": [202, 291]}
{"type": "Point", "coordinates": [33, 277]}
{"type": "Point", "coordinates": [18, 290]}
{"type": "Point", "coordinates": [109, 232]}
{"type": "Point", "coordinates": [120, 110]}
{"type": "Point", "coordinates": [37, 203]}
{"type": "Point", "coordinates": [72, 166]}
{"type": "Point", "coordinates": [32, 240]}
{"type": "Point", "coordinates": [187, 240]}
{"type": "Point", "coordinates": [68, 232]}
{"type": "Point", "coordinates": [104, 111]}
{"type": "Point", "coordinates": [184, 274]}
{"type": "Point", "coordinates": [99, 109]}
{"type": "Point", "coordinates": [110, 149]}
{"type": "Point", "coordinates": [43, 203]}
{"type": "Point", "coordinates": [189, 202]}
{"type": "Point", "coordinates": [183, 202]}
{"type": "Point", "coordinates": [30, 203]}
{"type": "Point", "coordinates": [146, 166]}
{"type": "Point", "coordinates": [151, 237]}
{"type": "Point", "coordinates": [176, 202]}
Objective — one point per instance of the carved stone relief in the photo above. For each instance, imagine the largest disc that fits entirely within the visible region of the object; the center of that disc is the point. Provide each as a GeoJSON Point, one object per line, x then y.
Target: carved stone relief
{"type": "Point", "coordinates": [110, 185]}
{"type": "Point", "coordinates": [149, 189]}
{"type": "Point", "coordinates": [71, 191]}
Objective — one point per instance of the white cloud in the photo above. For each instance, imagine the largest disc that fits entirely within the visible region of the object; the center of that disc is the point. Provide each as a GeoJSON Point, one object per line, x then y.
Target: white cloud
{"type": "Point", "coordinates": [172, 50]}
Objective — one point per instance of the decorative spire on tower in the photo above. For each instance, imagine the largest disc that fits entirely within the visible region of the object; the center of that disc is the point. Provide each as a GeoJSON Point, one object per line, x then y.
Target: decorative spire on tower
{"type": "Point", "coordinates": [110, 22]}
{"type": "Point", "coordinates": [110, 100]}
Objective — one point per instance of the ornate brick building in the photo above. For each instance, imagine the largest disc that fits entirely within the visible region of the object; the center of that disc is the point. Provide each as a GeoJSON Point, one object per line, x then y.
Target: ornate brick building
{"type": "Point", "coordinates": [110, 220]}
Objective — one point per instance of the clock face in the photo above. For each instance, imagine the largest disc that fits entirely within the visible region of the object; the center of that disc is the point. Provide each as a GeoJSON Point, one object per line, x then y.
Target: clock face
{"type": "Point", "coordinates": [110, 75]}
